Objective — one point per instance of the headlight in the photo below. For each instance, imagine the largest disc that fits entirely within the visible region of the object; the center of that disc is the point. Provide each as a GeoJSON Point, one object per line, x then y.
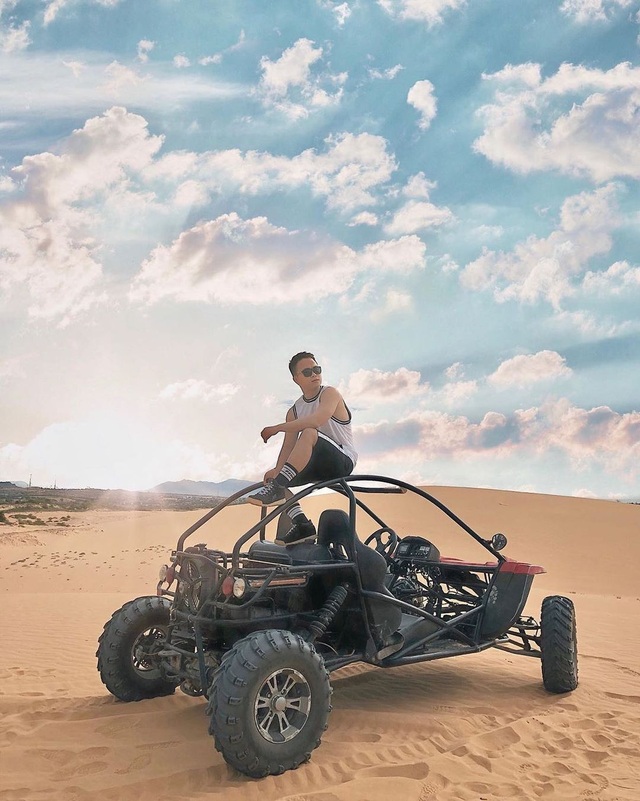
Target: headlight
{"type": "Point", "coordinates": [162, 574]}
{"type": "Point", "coordinates": [239, 587]}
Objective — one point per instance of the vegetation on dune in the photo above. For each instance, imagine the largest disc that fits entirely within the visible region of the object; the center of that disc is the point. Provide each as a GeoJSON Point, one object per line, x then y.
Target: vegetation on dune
{"type": "Point", "coordinates": [17, 504]}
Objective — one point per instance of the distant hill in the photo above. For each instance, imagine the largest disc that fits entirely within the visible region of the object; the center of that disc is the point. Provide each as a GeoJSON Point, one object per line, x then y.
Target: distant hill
{"type": "Point", "coordinates": [220, 489]}
{"type": "Point", "coordinates": [8, 484]}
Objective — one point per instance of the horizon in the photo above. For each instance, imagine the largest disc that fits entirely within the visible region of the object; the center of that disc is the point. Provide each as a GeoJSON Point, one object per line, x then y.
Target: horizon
{"type": "Point", "coordinates": [437, 198]}
{"type": "Point", "coordinates": [155, 489]}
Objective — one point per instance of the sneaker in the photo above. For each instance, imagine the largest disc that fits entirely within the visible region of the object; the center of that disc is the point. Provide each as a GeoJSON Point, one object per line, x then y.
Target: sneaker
{"type": "Point", "coordinates": [271, 494]}
{"type": "Point", "coordinates": [304, 531]}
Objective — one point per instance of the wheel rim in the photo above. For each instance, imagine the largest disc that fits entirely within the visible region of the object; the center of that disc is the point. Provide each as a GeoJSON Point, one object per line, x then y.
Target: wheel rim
{"type": "Point", "coordinates": [146, 645]}
{"type": "Point", "coordinates": [282, 706]}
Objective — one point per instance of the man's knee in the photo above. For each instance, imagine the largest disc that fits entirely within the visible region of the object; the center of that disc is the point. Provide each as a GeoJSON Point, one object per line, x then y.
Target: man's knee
{"type": "Point", "coordinates": [309, 435]}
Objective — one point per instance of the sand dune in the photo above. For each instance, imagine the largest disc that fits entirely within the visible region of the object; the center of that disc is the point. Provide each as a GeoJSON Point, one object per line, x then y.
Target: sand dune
{"type": "Point", "coordinates": [469, 729]}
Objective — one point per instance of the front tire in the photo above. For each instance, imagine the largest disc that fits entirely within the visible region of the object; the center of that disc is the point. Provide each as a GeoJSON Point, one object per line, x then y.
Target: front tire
{"type": "Point", "coordinates": [559, 645]}
{"type": "Point", "coordinates": [269, 703]}
{"type": "Point", "coordinates": [127, 650]}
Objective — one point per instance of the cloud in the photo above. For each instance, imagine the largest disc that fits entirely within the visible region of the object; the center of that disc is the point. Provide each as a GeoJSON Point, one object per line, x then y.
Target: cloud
{"type": "Point", "coordinates": [199, 390]}
{"type": "Point", "coordinates": [526, 369]}
{"type": "Point", "coordinates": [57, 92]}
{"type": "Point", "coordinates": [580, 121]}
{"type": "Point", "coordinates": [429, 11]}
{"type": "Point", "coordinates": [393, 302]}
{"type": "Point", "coordinates": [346, 173]}
{"type": "Point", "coordinates": [364, 218]}
{"type": "Point", "coordinates": [416, 216]}
{"type": "Point", "coordinates": [110, 450]}
{"type": "Point", "coordinates": [592, 10]}
{"type": "Point", "coordinates": [232, 260]}
{"type": "Point", "coordinates": [547, 269]}
{"type": "Point", "coordinates": [46, 244]}
{"type": "Point", "coordinates": [418, 213]}
{"type": "Point", "coordinates": [60, 212]}
{"type": "Point", "coordinates": [341, 11]}
{"type": "Point", "coordinates": [618, 279]}
{"type": "Point", "coordinates": [385, 75]}
{"type": "Point", "coordinates": [421, 96]}
{"type": "Point", "coordinates": [54, 7]}
{"type": "Point", "coordinates": [586, 437]}
{"type": "Point", "coordinates": [14, 38]}
{"type": "Point", "coordinates": [373, 387]}
{"type": "Point", "coordinates": [457, 392]}
{"type": "Point", "coordinates": [288, 85]}
{"type": "Point", "coordinates": [181, 62]}
{"type": "Point", "coordinates": [145, 46]}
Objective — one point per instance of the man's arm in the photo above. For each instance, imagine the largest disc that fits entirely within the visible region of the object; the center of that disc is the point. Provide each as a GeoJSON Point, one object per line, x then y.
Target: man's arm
{"type": "Point", "coordinates": [285, 451]}
{"type": "Point", "coordinates": [329, 401]}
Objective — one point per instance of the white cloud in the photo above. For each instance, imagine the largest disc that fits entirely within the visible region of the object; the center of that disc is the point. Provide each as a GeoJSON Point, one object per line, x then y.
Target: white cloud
{"type": "Point", "coordinates": [288, 85]}
{"type": "Point", "coordinates": [421, 96]}
{"type": "Point", "coordinates": [58, 92]}
{"type": "Point", "coordinates": [526, 369]}
{"type": "Point", "coordinates": [346, 173]}
{"type": "Point", "coordinates": [394, 302]}
{"type": "Point", "coordinates": [231, 260]}
{"type": "Point", "coordinates": [46, 245]}
{"type": "Point", "coordinates": [119, 77]}
{"type": "Point", "coordinates": [418, 213]}
{"type": "Point", "coordinates": [385, 75]}
{"type": "Point", "coordinates": [341, 11]}
{"type": "Point", "coordinates": [455, 371]}
{"type": "Point", "coordinates": [194, 389]}
{"type": "Point", "coordinates": [580, 121]}
{"type": "Point", "coordinates": [592, 10]}
{"type": "Point", "coordinates": [14, 37]}
{"type": "Point", "coordinates": [364, 218]}
{"type": "Point", "coordinates": [416, 216]}
{"type": "Point", "coordinates": [145, 46]}
{"type": "Point", "coordinates": [109, 450]}
{"type": "Point", "coordinates": [619, 278]}
{"type": "Point", "coordinates": [429, 11]}
{"type": "Point", "coordinates": [206, 60]}
{"type": "Point", "coordinates": [55, 6]}
{"type": "Point", "coordinates": [372, 387]}
{"type": "Point", "coordinates": [587, 437]}
{"type": "Point", "coordinates": [457, 392]}
{"type": "Point", "coordinates": [547, 269]}
{"type": "Point", "coordinates": [419, 186]}
{"type": "Point", "coordinates": [181, 62]}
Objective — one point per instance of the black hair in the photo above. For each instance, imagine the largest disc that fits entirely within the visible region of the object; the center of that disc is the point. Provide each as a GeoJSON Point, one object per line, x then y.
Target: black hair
{"type": "Point", "coordinates": [293, 363]}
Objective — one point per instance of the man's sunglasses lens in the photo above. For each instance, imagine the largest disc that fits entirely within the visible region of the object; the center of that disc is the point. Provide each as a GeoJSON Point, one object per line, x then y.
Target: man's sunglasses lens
{"type": "Point", "coordinates": [309, 371]}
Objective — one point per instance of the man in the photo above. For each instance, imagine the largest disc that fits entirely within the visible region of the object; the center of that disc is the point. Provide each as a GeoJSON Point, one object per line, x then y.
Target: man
{"type": "Point", "coordinates": [318, 444]}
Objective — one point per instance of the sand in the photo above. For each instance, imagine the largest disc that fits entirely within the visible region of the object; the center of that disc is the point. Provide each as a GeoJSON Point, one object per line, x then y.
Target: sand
{"type": "Point", "coordinates": [468, 729]}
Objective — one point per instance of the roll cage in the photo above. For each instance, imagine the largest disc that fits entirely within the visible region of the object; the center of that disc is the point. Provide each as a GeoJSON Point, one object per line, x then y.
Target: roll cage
{"type": "Point", "coordinates": [467, 607]}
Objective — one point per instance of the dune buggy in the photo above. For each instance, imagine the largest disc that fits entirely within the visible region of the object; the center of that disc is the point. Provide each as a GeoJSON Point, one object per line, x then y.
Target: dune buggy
{"type": "Point", "coordinates": [258, 631]}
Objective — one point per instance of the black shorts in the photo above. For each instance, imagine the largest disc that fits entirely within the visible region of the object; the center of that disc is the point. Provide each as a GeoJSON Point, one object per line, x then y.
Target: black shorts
{"type": "Point", "coordinates": [328, 461]}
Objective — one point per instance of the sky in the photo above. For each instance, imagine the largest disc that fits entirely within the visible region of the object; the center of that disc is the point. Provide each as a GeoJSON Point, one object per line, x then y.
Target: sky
{"type": "Point", "coordinates": [438, 198]}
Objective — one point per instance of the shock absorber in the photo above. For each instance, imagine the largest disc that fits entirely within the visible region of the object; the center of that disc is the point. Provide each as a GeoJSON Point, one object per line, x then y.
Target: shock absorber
{"type": "Point", "coordinates": [330, 609]}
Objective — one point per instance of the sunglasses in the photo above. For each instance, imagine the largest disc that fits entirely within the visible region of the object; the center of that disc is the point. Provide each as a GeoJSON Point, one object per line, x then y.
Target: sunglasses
{"type": "Point", "coordinates": [309, 371]}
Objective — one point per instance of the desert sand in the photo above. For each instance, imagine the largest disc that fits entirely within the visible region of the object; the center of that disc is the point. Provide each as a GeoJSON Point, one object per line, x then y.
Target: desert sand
{"type": "Point", "coordinates": [473, 728]}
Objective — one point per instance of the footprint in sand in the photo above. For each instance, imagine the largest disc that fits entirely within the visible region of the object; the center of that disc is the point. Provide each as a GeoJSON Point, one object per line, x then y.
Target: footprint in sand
{"type": "Point", "coordinates": [633, 699]}
{"type": "Point", "coordinates": [414, 770]}
{"type": "Point", "coordinates": [140, 762]}
{"type": "Point", "coordinates": [82, 770]}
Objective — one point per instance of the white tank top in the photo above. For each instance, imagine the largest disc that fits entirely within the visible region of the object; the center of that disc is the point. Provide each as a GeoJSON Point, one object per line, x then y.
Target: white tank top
{"type": "Point", "coordinates": [338, 431]}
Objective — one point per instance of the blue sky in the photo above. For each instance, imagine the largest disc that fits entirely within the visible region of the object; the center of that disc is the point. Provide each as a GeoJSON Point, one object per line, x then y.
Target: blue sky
{"type": "Point", "coordinates": [439, 198]}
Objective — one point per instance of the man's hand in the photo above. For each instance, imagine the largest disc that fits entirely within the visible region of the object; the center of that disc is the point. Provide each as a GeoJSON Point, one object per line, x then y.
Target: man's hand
{"type": "Point", "coordinates": [270, 474]}
{"type": "Point", "coordinates": [269, 432]}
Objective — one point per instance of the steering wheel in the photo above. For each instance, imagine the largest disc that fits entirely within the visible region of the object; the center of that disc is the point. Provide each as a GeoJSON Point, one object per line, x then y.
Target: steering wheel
{"type": "Point", "coordinates": [384, 545]}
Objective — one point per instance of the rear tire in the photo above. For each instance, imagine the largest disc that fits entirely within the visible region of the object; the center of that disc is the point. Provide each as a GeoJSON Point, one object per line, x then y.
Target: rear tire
{"type": "Point", "coordinates": [558, 643]}
{"type": "Point", "coordinates": [269, 703]}
{"type": "Point", "coordinates": [126, 649]}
